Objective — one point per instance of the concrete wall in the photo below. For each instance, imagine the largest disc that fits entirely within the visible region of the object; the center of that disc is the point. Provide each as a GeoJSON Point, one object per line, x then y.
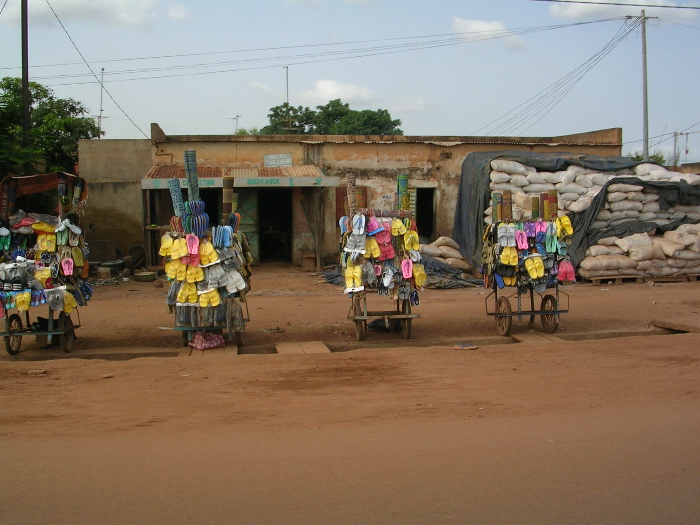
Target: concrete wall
{"type": "Point", "coordinates": [113, 170]}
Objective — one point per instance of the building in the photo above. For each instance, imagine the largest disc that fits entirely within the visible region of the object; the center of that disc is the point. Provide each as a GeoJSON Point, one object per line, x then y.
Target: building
{"type": "Point", "coordinates": [290, 189]}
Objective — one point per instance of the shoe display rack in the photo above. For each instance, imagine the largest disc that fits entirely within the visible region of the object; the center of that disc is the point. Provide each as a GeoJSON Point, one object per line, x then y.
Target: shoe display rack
{"type": "Point", "coordinates": [208, 267]}
{"type": "Point", "coordinates": [523, 259]}
{"type": "Point", "coordinates": [44, 262]}
{"type": "Point", "coordinates": [380, 256]}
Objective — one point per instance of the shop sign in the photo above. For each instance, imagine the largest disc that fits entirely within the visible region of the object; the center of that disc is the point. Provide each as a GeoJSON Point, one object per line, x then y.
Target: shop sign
{"type": "Point", "coordinates": [277, 160]}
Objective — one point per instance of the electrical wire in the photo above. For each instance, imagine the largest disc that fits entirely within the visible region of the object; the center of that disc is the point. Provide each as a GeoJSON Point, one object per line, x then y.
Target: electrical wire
{"type": "Point", "coordinates": [329, 44]}
{"type": "Point", "coordinates": [618, 4]}
{"type": "Point", "coordinates": [320, 57]}
{"type": "Point", "coordinates": [93, 73]}
{"type": "Point", "coordinates": [3, 6]}
{"type": "Point", "coordinates": [539, 105]}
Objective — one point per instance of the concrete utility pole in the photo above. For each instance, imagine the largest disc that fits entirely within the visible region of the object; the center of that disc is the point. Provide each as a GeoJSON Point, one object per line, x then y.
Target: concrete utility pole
{"type": "Point", "coordinates": [25, 70]}
{"type": "Point", "coordinates": [645, 152]}
{"type": "Point", "coordinates": [102, 88]}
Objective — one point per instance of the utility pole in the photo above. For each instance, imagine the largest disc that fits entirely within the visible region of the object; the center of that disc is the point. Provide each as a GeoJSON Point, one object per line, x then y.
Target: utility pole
{"type": "Point", "coordinates": [645, 151]}
{"type": "Point", "coordinates": [235, 129]}
{"type": "Point", "coordinates": [289, 116]}
{"type": "Point", "coordinates": [25, 70]}
{"type": "Point", "coordinates": [102, 88]}
{"type": "Point", "coordinates": [675, 150]}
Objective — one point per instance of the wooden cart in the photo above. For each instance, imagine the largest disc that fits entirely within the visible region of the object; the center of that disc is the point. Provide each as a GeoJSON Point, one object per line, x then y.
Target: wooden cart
{"type": "Point", "coordinates": [499, 306]}
{"type": "Point", "coordinates": [60, 329]}
{"type": "Point", "coordinates": [360, 315]}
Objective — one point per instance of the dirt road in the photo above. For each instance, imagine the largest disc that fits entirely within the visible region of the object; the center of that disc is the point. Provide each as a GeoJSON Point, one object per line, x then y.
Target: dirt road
{"type": "Point", "coordinates": [587, 431]}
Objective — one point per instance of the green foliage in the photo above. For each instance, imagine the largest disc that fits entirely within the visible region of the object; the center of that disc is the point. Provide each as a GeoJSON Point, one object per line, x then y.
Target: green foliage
{"type": "Point", "coordinates": [335, 118]}
{"type": "Point", "coordinates": [56, 125]}
{"type": "Point", "coordinates": [655, 156]}
{"type": "Point", "coordinates": [249, 131]}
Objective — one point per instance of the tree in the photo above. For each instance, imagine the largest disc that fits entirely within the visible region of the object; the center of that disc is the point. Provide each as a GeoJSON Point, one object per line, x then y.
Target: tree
{"type": "Point", "coordinates": [56, 125]}
{"type": "Point", "coordinates": [656, 157]}
{"type": "Point", "coordinates": [335, 118]}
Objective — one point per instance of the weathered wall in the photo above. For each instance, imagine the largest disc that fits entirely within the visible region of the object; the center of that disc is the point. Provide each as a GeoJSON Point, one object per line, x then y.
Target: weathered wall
{"type": "Point", "coordinates": [113, 170]}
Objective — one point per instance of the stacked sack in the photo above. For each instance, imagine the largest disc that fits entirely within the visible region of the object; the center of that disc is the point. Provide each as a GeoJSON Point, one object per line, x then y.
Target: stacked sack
{"type": "Point", "coordinates": [577, 187]}
{"type": "Point", "coordinates": [446, 250]}
{"type": "Point", "coordinates": [675, 254]}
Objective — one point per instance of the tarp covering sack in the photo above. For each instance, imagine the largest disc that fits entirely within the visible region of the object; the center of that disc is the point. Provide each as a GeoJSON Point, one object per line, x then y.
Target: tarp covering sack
{"type": "Point", "coordinates": [670, 193]}
{"type": "Point", "coordinates": [475, 191]}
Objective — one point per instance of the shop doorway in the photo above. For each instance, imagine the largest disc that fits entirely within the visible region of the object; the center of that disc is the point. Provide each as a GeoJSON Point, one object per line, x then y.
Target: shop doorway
{"type": "Point", "coordinates": [275, 224]}
{"type": "Point", "coordinates": [425, 213]}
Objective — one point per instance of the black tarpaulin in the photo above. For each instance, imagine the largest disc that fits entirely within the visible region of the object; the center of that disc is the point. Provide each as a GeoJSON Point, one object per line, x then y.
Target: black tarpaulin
{"type": "Point", "coordinates": [474, 193]}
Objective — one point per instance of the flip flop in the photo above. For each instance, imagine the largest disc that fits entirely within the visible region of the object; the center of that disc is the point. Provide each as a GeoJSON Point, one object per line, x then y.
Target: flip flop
{"type": "Point", "coordinates": [67, 266]}
{"type": "Point", "coordinates": [407, 268]}
{"type": "Point", "coordinates": [521, 240]}
{"type": "Point", "coordinates": [358, 224]}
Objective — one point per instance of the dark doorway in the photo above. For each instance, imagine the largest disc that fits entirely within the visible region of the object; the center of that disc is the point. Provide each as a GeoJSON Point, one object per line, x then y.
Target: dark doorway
{"type": "Point", "coordinates": [275, 224]}
{"type": "Point", "coordinates": [425, 213]}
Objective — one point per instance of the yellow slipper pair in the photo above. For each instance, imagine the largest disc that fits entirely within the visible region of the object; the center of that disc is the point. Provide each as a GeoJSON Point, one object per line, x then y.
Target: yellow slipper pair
{"type": "Point", "coordinates": [207, 253]}
{"type": "Point", "coordinates": [210, 298]}
{"type": "Point", "coordinates": [23, 300]}
{"type": "Point", "coordinates": [419, 275]}
{"type": "Point", "coordinates": [534, 266]}
{"type": "Point", "coordinates": [194, 274]}
{"type": "Point", "coordinates": [353, 279]}
{"type": "Point", "coordinates": [397, 227]}
{"type": "Point", "coordinates": [564, 226]}
{"type": "Point", "coordinates": [166, 245]}
{"type": "Point", "coordinates": [510, 280]}
{"type": "Point", "coordinates": [187, 293]}
{"type": "Point", "coordinates": [509, 256]}
{"type": "Point", "coordinates": [69, 302]}
{"type": "Point", "coordinates": [411, 241]}
{"type": "Point", "coordinates": [372, 248]}
{"type": "Point", "coordinates": [171, 268]}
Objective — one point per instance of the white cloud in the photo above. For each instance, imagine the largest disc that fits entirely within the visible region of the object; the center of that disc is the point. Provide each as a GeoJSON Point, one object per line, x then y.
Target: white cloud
{"type": "Point", "coordinates": [587, 11]}
{"type": "Point", "coordinates": [472, 30]}
{"type": "Point", "coordinates": [178, 12]}
{"type": "Point", "coordinates": [107, 12]}
{"type": "Point", "coordinates": [325, 90]}
{"type": "Point", "coordinates": [415, 105]}
{"type": "Point", "coordinates": [265, 89]}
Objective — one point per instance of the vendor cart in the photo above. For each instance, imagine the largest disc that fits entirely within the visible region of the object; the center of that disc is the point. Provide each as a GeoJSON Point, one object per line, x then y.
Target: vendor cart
{"type": "Point", "coordinates": [61, 329]}
{"type": "Point", "coordinates": [43, 258]}
{"type": "Point", "coordinates": [360, 315]}
{"type": "Point", "coordinates": [498, 305]}
{"type": "Point", "coordinates": [234, 324]}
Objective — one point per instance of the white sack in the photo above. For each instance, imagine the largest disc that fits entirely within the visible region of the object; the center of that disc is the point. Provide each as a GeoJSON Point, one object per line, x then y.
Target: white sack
{"type": "Point", "coordinates": [499, 177]}
{"type": "Point", "coordinates": [509, 166]}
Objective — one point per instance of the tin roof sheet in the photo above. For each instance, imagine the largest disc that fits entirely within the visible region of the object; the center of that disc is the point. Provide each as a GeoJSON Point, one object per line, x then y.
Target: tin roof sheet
{"type": "Point", "coordinates": [178, 172]}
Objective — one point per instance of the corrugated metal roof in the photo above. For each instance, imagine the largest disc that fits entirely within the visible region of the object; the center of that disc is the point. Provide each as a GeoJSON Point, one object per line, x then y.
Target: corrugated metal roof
{"type": "Point", "coordinates": [178, 172]}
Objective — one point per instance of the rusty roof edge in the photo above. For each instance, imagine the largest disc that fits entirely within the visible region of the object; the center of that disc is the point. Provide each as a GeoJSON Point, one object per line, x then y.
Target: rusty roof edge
{"type": "Point", "coordinates": [604, 137]}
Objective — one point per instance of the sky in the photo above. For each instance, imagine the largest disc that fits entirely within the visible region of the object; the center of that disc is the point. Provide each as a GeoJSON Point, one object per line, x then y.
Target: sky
{"type": "Point", "coordinates": [443, 67]}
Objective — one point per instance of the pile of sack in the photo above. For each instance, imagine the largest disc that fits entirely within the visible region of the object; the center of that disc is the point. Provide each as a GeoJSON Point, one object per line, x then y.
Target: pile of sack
{"type": "Point", "coordinates": [577, 187]}
{"type": "Point", "coordinates": [676, 253]}
{"type": "Point", "coordinates": [446, 250]}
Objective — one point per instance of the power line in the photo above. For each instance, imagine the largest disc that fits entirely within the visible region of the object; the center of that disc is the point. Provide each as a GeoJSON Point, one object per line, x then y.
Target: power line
{"type": "Point", "coordinates": [543, 102]}
{"type": "Point", "coordinates": [3, 6]}
{"type": "Point", "coordinates": [478, 35]}
{"type": "Point", "coordinates": [679, 23]}
{"type": "Point", "coordinates": [618, 3]}
{"type": "Point", "coordinates": [93, 73]}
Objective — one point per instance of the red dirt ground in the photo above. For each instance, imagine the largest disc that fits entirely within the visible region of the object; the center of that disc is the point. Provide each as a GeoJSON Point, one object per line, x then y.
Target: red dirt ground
{"type": "Point", "coordinates": [572, 430]}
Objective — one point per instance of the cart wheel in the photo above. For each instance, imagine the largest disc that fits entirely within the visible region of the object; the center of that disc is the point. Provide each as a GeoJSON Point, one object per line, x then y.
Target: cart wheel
{"type": "Point", "coordinates": [67, 338]}
{"type": "Point", "coordinates": [406, 323]}
{"type": "Point", "coordinates": [504, 321]}
{"type": "Point", "coordinates": [239, 338]}
{"type": "Point", "coordinates": [550, 322]}
{"type": "Point", "coordinates": [13, 342]}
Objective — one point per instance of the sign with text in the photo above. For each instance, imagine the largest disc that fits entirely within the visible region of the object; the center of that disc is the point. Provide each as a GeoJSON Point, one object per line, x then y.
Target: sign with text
{"type": "Point", "coordinates": [276, 160]}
